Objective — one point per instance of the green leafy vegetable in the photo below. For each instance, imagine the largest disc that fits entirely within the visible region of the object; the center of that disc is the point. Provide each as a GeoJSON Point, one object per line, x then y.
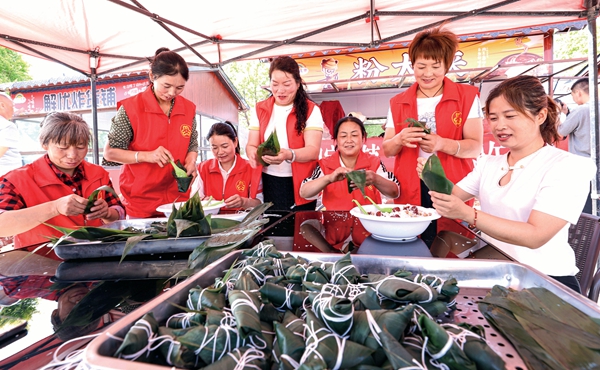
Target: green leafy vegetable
{"type": "Point", "coordinates": [268, 147]}
{"type": "Point", "coordinates": [93, 197]}
{"type": "Point", "coordinates": [414, 123]}
{"type": "Point", "coordinates": [434, 176]}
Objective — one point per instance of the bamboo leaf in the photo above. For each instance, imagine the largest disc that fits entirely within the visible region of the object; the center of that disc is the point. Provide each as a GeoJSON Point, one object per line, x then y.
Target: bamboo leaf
{"type": "Point", "coordinates": [359, 178]}
{"type": "Point", "coordinates": [414, 123]}
{"type": "Point", "coordinates": [92, 198]}
{"type": "Point", "coordinates": [132, 242]}
{"type": "Point", "coordinates": [434, 177]}
{"type": "Point", "coordinates": [268, 147]}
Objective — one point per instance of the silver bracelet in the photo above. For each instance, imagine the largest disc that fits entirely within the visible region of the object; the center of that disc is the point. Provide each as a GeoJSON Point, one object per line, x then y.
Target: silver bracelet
{"type": "Point", "coordinates": [457, 149]}
{"type": "Point", "coordinates": [293, 156]}
{"type": "Point", "coordinates": [136, 157]}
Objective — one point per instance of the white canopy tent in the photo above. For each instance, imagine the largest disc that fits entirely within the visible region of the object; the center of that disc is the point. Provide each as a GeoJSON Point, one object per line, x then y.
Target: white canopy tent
{"type": "Point", "coordinates": [106, 36]}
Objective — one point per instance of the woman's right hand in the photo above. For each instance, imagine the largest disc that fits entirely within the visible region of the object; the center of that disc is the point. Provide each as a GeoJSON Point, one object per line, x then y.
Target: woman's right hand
{"type": "Point", "coordinates": [70, 205]}
{"type": "Point", "coordinates": [339, 174]}
{"type": "Point", "coordinates": [420, 164]}
{"type": "Point", "coordinates": [161, 156]}
{"type": "Point", "coordinates": [251, 153]}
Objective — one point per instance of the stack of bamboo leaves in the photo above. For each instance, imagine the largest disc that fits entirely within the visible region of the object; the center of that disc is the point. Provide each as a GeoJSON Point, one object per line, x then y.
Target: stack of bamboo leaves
{"type": "Point", "coordinates": [278, 311]}
{"type": "Point", "coordinates": [187, 221]}
{"type": "Point", "coordinates": [547, 332]}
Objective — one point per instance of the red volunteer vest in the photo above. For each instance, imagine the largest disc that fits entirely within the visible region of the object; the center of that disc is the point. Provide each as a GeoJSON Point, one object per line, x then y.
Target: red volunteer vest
{"type": "Point", "coordinates": [145, 186]}
{"type": "Point", "coordinates": [38, 184]}
{"type": "Point", "coordinates": [239, 180]}
{"type": "Point", "coordinates": [300, 171]}
{"type": "Point", "coordinates": [451, 114]}
{"type": "Point", "coordinates": [335, 195]}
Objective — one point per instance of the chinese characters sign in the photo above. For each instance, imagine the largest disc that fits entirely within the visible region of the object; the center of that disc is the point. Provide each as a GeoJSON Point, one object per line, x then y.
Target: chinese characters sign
{"type": "Point", "coordinates": [395, 63]}
{"type": "Point", "coordinates": [75, 97]}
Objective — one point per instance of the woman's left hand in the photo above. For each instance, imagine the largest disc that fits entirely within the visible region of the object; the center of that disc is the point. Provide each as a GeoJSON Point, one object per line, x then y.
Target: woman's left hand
{"type": "Point", "coordinates": [234, 201]}
{"type": "Point", "coordinates": [370, 177]}
{"type": "Point", "coordinates": [450, 206]}
{"type": "Point", "coordinates": [277, 159]}
{"type": "Point", "coordinates": [99, 210]}
{"type": "Point", "coordinates": [431, 143]}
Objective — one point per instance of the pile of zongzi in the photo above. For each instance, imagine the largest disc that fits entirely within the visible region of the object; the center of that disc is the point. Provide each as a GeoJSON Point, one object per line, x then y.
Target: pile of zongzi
{"type": "Point", "coordinates": [279, 311]}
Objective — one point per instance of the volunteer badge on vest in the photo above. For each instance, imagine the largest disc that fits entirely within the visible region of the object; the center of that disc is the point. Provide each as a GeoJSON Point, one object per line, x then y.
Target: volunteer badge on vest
{"type": "Point", "coordinates": [240, 185]}
{"type": "Point", "coordinates": [457, 118]}
{"type": "Point", "coordinates": [186, 130]}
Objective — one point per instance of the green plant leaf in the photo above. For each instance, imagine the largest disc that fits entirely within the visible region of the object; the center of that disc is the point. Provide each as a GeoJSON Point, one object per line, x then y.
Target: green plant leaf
{"type": "Point", "coordinates": [434, 176]}
{"type": "Point", "coordinates": [359, 178]}
{"type": "Point", "coordinates": [268, 147]}
{"type": "Point", "coordinates": [92, 198]}
{"type": "Point", "coordinates": [414, 123]}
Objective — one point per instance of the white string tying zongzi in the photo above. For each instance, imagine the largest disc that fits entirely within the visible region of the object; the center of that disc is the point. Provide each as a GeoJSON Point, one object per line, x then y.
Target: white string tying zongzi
{"type": "Point", "coordinates": [185, 319]}
{"type": "Point", "coordinates": [242, 361]}
{"type": "Point", "coordinates": [227, 346]}
{"type": "Point", "coordinates": [295, 364]}
{"type": "Point", "coordinates": [258, 275]}
{"type": "Point", "coordinates": [311, 348]}
{"type": "Point", "coordinates": [70, 359]}
{"type": "Point", "coordinates": [322, 302]}
{"type": "Point", "coordinates": [375, 329]}
{"type": "Point", "coordinates": [190, 301]}
{"type": "Point", "coordinates": [437, 283]}
{"type": "Point", "coordinates": [460, 338]}
{"type": "Point", "coordinates": [287, 303]}
{"type": "Point", "coordinates": [376, 285]}
{"type": "Point", "coordinates": [336, 276]}
{"type": "Point", "coordinates": [278, 269]}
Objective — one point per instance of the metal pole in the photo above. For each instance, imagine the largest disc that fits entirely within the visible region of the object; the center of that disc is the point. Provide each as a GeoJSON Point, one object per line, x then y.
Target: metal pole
{"type": "Point", "coordinates": [593, 102]}
{"type": "Point", "coordinates": [93, 78]}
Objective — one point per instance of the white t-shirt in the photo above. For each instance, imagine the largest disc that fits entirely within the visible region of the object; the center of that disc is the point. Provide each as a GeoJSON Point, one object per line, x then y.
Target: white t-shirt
{"type": "Point", "coordinates": [426, 113]}
{"type": "Point", "coordinates": [278, 122]}
{"type": "Point", "coordinates": [9, 138]}
{"type": "Point", "coordinates": [551, 181]}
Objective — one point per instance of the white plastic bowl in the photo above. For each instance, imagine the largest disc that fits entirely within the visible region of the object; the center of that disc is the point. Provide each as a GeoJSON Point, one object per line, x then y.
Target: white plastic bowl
{"type": "Point", "coordinates": [391, 229]}
{"type": "Point", "coordinates": [212, 210]}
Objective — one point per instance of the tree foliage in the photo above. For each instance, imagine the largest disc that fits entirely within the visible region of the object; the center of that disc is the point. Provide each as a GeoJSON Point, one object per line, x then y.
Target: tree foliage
{"type": "Point", "coordinates": [249, 77]}
{"type": "Point", "coordinates": [24, 310]}
{"type": "Point", "coordinates": [573, 44]}
{"type": "Point", "coordinates": [12, 66]}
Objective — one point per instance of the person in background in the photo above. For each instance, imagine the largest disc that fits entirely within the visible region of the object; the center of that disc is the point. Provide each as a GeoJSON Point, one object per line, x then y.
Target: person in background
{"type": "Point", "coordinates": [299, 127]}
{"type": "Point", "coordinates": [10, 158]}
{"type": "Point", "coordinates": [530, 195]}
{"type": "Point", "coordinates": [54, 189]}
{"type": "Point", "coordinates": [150, 130]}
{"type": "Point", "coordinates": [330, 174]}
{"type": "Point", "coordinates": [563, 109]}
{"type": "Point", "coordinates": [576, 126]}
{"type": "Point", "coordinates": [450, 110]}
{"type": "Point", "coordinates": [228, 176]}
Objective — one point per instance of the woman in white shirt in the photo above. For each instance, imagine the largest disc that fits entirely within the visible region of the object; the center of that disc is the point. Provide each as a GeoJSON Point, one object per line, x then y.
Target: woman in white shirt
{"type": "Point", "coordinates": [530, 195]}
{"type": "Point", "coordinates": [298, 124]}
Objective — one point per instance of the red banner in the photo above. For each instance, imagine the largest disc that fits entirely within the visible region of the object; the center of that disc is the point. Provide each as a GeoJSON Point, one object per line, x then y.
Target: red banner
{"type": "Point", "coordinates": [76, 97]}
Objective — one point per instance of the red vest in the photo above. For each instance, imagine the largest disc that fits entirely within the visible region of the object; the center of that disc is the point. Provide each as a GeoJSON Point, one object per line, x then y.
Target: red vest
{"type": "Point", "coordinates": [335, 195]}
{"type": "Point", "coordinates": [300, 171]}
{"type": "Point", "coordinates": [146, 186]}
{"type": "Point", "coordinates": [451, 114]}
{"type": "Point", "coordinates": [38, 184]}
{"type": "Point", "coordinates": [239, 180]}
